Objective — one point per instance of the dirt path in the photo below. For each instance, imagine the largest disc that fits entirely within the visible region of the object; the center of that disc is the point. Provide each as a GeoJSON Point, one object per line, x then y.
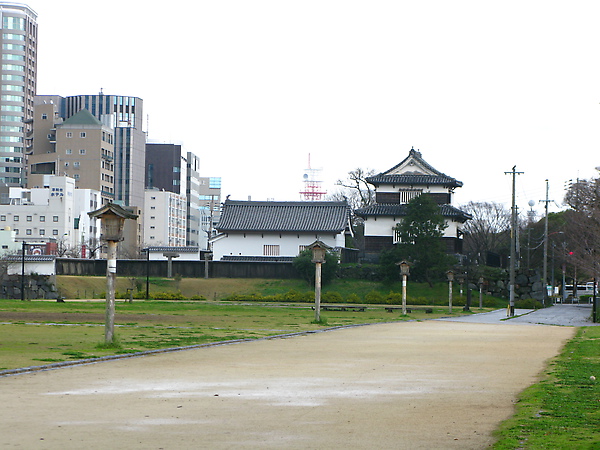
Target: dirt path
{"type": "Point", "coordinates": [430, 385]}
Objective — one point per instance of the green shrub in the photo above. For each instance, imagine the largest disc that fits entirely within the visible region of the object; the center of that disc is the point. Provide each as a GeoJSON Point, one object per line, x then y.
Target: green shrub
{"type": "Point", "coordinates": [168, 296]}
{"type": "Point", "coordinates": [418, 301]}
{"type": "Point", "coordinates": [332, 297]}
{"type": "Point", "coordinates": [528, 303]}
{"type": "Point", "coordinates": [353, 298]}
{"type": "Point", "coordinates": [394, 298]}
{"type": "Point", "coordinates": [374, 297]}
{"type": "Point", "coordinates": [197, 297]}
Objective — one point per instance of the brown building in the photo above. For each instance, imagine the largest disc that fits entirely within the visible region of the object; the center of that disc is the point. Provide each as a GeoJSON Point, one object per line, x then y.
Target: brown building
{"type": "Point", "coordinates": [80, 147]}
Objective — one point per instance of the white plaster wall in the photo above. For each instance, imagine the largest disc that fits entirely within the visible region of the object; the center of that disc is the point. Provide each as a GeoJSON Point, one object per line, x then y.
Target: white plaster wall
{"type": "Point", "coordinates": [39, 267]}
{"type": "Point", "coordinates": [383, 226]}
{"type": "Point", "coordinates": [252, 244]}
{"type": "Point", "coordinates": [431, 189]}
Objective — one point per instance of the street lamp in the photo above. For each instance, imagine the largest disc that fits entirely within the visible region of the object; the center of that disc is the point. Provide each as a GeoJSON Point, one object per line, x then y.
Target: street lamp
{"type": "Point", "coordinates": [318, 251]}
{"type": "Point", "coordinates": [450, 275]}
{"type": "Point", "coordinates": [404, 271]}
{"type": "Point", "coordinates": [112, 218]}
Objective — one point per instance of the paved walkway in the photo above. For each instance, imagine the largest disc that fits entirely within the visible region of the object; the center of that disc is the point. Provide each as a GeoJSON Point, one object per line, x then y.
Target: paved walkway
{"type": "Point", "coordinates": [565, 315]}
{"type": "Point", "coordinates": [418, 385]}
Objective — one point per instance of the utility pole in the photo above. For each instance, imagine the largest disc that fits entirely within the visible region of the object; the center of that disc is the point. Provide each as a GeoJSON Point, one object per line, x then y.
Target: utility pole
{"type": "Point", "coordinates": [545, 267]}
{"type": "Point", "coordinates": [513, 243]}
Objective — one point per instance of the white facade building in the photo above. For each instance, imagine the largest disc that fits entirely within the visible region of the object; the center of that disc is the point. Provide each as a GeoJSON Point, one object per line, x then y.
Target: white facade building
{"type": "Point", "coordinates": [277, 231]}
{"type": "Point", "coordinates": [165, 219]}
{"type": "Point", "coordinates": [53, 215]}
{"type": "Point", "coordinates": [394, 189]}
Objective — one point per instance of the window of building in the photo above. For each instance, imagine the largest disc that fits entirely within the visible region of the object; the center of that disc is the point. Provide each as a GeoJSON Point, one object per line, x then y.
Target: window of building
{"type": "Point", "coordinates": [44, 116]}
{"type": "Point", "coordinates": [13, 23]}
{"type": "Point", "coordinates": [76, 164]}
{"type": "Point", "coordinates": [28, 231]}
{"type": "Point", "coordinates": [18, 47]}
{"type": "Point", "coordinates": [3, 218]}
{"type": "Point", "coordinates": [69, 151]}
{"type": "Point", "coordinates": [42, 218]}
{"type": "Point", "coordinates": [55, 232]}
{"type": "Point", "coordinates": [406, 195]}
{"type": "Point", "coordinates": [16, 231]}
{"type": "Point", "coordinates": [11, 57]}
{"type": "Point", "coordinates": [29, 218]}
{"type": "Point", "coordinates": [76, 176]}
{"type": "Point", "coordinates": [69, 134]}
{"type": "Point", "coordinates": [13, 98]}
{"type": "Point", "coordinates": [14, 37]}
{"type": "Point", "coordinates": [42, 232]}
{"type": "Point", "coordinates": [54, 218]}
{"type": "Point", "coordinates": [15, 67]}
{"type": "Point", "coordinates": [271, 250]}
{"type": "Point", "coordinates": [82, 151]}
{"type": "Point", "coordinates": [82, 134]}
{"type": "Point", "coordinates": [16, 218]}
{"type": "Point", "coordinates": [12, 87]}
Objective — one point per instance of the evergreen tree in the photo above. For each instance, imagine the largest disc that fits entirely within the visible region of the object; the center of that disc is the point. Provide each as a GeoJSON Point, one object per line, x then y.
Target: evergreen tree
{"type": "Point", "coordinates": [420, 242]}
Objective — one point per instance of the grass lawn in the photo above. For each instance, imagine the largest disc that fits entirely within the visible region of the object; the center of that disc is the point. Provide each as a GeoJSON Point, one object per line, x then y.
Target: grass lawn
{"type": "Point", "coordinates": [562, 411]}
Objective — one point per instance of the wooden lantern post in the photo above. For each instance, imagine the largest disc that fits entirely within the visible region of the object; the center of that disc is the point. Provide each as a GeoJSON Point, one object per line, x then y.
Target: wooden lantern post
{"type": "Point", "coordinates": [112, 218]}
{"type": "Point", "coordinates": [319, 249]}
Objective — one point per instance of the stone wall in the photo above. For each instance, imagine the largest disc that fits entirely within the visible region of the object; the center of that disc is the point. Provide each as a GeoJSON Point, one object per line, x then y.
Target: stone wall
{"type": "Point", "coordinates": [36, 287]}
{"type": "Point", "coordinates": [528, 284]}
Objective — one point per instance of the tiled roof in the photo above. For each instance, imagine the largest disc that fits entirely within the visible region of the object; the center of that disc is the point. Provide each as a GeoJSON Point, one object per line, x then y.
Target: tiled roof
{"type": "Point", "coordinates": [413, 180]}
{"type": "Point", "coordinates": [399, 210]}
{"type": "Point", "coordinates": [30, 258]}
{"type": "Point", "coordinates": [175, 249]}
{"type": "Point", "coordinates": [283, 216]}
{"type": "Point", "coordinates": [239, 258]}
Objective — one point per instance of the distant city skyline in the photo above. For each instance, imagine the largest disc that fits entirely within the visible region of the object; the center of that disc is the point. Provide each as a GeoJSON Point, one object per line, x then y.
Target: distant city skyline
{"type": "Point", "coordinates": [253, 87]}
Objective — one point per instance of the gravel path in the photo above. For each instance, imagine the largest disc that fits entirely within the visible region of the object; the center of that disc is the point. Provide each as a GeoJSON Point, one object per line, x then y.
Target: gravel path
{"type": "Point", "coordinates": [432, 385]}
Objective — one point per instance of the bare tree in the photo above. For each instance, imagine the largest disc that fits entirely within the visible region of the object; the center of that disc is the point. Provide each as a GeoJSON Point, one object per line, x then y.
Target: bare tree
{"type": "Point", "coordinates": [358, 191]}
{"type": "Point", "coordinates": [583, 226]}
{"type": "Point", "coordinates": [489, 228]}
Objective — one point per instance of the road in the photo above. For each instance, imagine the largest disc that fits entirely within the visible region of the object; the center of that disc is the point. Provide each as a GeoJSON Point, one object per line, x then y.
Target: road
{"type": "Point", "coordinates": [442, 384]}
{"type": "Point", "coordinates": [564, 315]}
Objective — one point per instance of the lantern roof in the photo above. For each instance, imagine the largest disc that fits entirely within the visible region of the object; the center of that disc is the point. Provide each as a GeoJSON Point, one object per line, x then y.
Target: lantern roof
{"type": "Point", "coordinates": [113, 208]}
{"type": "Point", "coordinates": [319, 244]}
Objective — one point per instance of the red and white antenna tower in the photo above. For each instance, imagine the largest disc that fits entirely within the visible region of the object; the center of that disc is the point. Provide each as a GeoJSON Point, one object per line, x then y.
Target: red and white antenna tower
{"type": "Point", "coordinates": [313, 190]}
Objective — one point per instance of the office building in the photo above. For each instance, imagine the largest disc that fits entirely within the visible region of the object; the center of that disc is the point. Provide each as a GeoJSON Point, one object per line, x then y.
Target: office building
{"type": "Point", "coordinates": [19, 69]}
{"type": "Point", "coordinates": [80, 147]}
{"type": "Point", "coordinates": [125, 116]}
{"type": "Point", "coordinates": [164, 166]}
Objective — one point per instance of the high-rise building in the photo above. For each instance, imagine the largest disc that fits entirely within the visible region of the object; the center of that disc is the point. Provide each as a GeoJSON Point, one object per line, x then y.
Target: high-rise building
{"type": "Point", "coordinates": [18, 87]}
{"type": "Point", "coordinates": [194, 233]}
{"type": "Point", "coordinates": [164, 167]}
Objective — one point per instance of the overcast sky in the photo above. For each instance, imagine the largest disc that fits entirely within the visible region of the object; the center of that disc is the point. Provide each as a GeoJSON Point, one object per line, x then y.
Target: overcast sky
{"type": "Point", "coordinates": [255, 86]}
